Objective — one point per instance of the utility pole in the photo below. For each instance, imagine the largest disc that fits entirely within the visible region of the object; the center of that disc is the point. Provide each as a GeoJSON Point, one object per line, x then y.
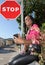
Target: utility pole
{"type": "Point", "coordinates": [22, 29]}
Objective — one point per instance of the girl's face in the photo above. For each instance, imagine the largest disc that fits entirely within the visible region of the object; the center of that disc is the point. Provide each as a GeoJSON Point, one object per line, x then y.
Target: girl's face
{"type": "Point", "coordinates": [28, 21]}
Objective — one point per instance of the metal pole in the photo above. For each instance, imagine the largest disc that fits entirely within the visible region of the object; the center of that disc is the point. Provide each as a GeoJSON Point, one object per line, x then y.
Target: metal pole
{"type": "Point", "coordinates": [22, 17]}
{"type": "Point", "coordinates": [22, 29]}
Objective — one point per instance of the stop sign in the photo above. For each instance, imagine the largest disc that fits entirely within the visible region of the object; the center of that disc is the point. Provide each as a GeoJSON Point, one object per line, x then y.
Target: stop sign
{"type": "Point", "coordinates": [10, 9]}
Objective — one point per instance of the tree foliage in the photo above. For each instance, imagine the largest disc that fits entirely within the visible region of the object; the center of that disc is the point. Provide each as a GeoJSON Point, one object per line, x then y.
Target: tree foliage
{"type": "Point", "coordinates": [38, 6]}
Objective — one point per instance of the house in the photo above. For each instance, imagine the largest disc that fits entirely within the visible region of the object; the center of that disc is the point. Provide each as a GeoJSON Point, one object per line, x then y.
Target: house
{"type": "Point", "coordinates": [9, 41]}
{"type": "Point", "coordinates": [2, 42]}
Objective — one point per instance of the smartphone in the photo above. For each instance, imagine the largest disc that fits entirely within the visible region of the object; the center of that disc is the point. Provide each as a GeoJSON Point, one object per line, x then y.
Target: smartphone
{"type": "Point", "coordinates": [16, 35]}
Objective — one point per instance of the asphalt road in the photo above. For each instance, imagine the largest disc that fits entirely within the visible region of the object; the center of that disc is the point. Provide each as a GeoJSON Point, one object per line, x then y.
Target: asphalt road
{"type": "Point", "coordinates": [7, 53]}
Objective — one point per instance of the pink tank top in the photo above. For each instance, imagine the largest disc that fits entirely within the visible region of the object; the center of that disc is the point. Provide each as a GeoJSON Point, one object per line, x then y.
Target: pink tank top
{"type": "Point", "coordinates": [33, 34]}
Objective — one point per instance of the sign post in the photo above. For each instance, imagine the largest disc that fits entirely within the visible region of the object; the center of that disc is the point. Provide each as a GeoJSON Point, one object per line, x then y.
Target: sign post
{"type": "Point", "coordinates": [22, 17]}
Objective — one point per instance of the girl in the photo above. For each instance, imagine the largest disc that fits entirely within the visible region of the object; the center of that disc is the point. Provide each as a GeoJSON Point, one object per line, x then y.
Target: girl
{"type": "Point", "coordinates": [31, 44]}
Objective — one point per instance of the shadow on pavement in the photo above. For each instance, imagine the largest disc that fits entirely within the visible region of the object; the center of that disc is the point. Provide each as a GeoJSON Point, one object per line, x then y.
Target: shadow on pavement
{"type": "Point", "coordinates": [7, 49]}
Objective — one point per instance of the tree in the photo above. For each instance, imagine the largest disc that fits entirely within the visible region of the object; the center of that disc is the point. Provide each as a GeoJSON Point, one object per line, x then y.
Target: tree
{"type": "Point", "coordinates": [38, 6]}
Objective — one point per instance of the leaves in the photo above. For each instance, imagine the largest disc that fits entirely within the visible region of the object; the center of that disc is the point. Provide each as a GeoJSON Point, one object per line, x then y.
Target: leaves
{"type": "Point", "coordinates": [38, 6]}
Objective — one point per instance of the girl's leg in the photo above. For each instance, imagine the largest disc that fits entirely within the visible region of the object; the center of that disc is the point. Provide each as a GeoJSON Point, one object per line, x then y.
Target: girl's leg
{"type": "Point", "coordinates": [24, 60]}
{"type": "Point", "coordinates": [18, 57]}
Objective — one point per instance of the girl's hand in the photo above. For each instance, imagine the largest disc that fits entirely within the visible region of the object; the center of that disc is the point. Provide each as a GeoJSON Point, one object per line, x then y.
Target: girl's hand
{"type": "Point", "coordinates": [18, 40]}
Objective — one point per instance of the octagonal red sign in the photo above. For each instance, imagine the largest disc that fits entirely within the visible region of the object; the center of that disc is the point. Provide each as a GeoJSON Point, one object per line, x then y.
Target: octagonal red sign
{"type": "Point", "coordinates": [10, 9]}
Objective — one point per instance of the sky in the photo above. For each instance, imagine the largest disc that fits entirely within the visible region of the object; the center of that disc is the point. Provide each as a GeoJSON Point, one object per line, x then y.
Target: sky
{"type": "Point", "coordinates": [8, 27]}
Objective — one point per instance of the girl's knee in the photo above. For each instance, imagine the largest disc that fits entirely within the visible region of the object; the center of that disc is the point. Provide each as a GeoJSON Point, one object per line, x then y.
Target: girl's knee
{"type": "Point", "coordinates": [16, 62]}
